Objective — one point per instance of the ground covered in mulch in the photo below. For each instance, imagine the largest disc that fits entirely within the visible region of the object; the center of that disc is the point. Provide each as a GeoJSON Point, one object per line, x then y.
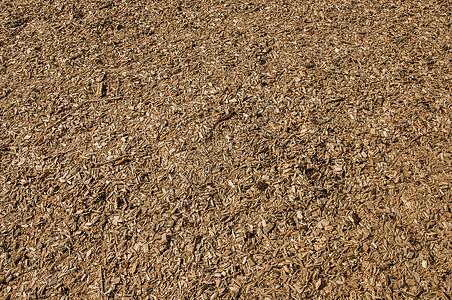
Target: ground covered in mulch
{"type": "Point", "coordinates": [225, 149]}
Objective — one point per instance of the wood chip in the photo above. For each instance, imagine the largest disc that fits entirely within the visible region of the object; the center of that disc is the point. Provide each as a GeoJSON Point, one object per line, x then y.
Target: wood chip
{"type": "Point", "coordinates": [101, 89]}
{"type": "Point", "coordinates": [240, 149]}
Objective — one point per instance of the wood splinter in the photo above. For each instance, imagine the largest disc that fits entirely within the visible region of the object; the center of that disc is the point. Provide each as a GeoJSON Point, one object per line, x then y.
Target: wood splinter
{"type": "Point", "coordinates": [101, 90]}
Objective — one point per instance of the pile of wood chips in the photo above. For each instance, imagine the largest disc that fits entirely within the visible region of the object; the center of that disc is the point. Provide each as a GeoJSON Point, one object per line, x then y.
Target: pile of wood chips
{"type": "Point", "coordinates": [225, 149]}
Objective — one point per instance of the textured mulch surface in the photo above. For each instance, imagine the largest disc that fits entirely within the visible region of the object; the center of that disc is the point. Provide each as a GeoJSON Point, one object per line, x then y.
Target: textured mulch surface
{"type": "Point", "coordinates": [225, 149]}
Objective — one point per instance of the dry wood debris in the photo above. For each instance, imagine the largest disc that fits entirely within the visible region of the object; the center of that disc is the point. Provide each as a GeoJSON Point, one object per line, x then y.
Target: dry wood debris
{"type": "Point", "coordinates": [225, 150]}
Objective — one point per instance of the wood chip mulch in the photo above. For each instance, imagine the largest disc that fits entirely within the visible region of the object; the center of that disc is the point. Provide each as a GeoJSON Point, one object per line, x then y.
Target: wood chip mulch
{"type": "Point", "coordinates": [225, 149]}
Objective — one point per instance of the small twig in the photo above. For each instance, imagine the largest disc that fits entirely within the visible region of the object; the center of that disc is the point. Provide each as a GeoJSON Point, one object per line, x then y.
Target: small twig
{"type": "Point", "coordinates": [334, 101]}
{"type": "Point", "coordinates": [224, 118]}
{"type": "Point", "coordinates": [116, 161]}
